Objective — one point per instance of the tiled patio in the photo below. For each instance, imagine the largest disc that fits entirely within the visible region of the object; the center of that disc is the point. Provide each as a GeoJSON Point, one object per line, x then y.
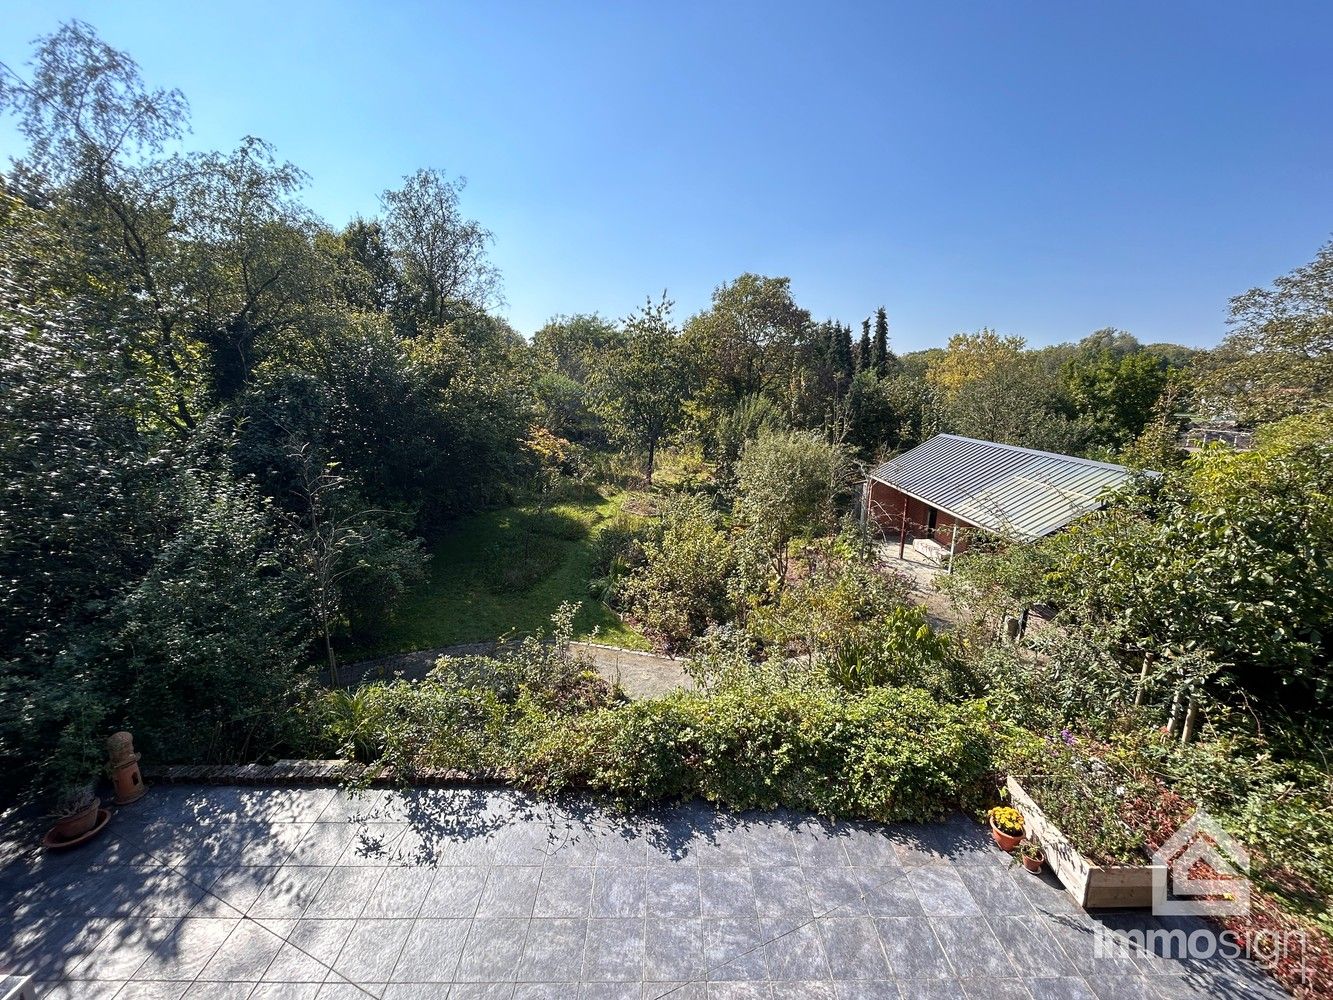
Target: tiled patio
{"type": "Point", "coordinates": [473, 893]}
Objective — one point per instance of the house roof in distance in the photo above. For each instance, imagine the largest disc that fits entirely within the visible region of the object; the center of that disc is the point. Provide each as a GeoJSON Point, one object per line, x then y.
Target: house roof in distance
{"type": "Point", "coordinates": [1020, 492]}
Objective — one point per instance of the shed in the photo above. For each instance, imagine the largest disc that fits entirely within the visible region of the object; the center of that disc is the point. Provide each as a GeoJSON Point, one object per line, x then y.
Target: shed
{"type": "Point", "coordinates": [952, 482]}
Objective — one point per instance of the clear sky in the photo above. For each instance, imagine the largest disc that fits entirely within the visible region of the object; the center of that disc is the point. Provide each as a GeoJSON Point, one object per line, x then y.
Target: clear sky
{"type": "Point", "coordinates": [1045, 169]}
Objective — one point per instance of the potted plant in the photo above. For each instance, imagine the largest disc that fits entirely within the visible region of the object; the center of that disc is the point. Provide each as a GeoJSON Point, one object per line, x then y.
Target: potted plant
{"type": "Point", "coordinates": [75, 813]}
{"type": "Point", "coordinates": [1006, 826]}
{"type": "Point", "coordinates": [1031, 855]}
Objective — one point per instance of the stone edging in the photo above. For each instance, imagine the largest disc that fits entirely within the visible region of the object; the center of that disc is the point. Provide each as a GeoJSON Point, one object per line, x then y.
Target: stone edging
{"type": "Point", "coordinates": [320, 773]}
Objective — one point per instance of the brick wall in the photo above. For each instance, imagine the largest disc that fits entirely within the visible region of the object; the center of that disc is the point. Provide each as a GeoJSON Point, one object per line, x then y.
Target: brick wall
{"type": "Point", "coordinates": [885, 507]}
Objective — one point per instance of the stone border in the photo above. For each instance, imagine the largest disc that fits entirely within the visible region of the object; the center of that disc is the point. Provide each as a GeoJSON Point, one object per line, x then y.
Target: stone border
{"type": "Point", "coordinates": [319, 773]}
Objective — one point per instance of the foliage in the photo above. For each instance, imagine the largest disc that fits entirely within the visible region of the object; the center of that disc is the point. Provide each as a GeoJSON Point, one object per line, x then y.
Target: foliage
{"type": "Point", "coordinates": [1278, 358]}
{"type": "Point", "coordinates": [642, 380]}
{"type": "Point", "coordinates": [787, 485]}
{"type": "Point", "coordinates": [681, 587]}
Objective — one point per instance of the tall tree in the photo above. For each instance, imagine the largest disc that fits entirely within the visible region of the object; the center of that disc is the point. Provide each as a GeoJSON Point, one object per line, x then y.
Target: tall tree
{"type": "Point", "coordinates": [1279, 353]}
{"type": "Point", "coordinates": [642, 382]}
{"type": "Point", "coordinates": [865, 358]}
{"type": "Point", "coordinates": [881, 347]}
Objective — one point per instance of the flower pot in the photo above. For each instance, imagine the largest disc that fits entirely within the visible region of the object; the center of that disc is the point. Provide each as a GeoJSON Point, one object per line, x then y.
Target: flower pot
{"type": "Point", "coordinates": [74, 826]}
{"type": "Point", "coordinates": [1005, 841]}
{"type": "Point", "coordinates": [1034, 865]}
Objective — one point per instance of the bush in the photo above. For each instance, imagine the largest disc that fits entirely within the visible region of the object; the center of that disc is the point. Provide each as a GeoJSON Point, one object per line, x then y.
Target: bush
{"type": "Point", "coordinates": [681, 588]}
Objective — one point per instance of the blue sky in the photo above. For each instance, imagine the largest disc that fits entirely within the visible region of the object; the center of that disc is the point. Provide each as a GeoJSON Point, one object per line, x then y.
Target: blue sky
{"type": "Point", "coordinates": [1045, 169]}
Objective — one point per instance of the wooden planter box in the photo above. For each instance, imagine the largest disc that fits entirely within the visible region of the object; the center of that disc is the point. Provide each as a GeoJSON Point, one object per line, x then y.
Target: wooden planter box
{"type": "Point", "coordinates": [1092, 886]}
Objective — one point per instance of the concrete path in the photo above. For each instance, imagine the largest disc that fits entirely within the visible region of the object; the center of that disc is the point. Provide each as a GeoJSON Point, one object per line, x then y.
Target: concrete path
{"type": "Point", "coordinates": [263, 893]}
{"type": "Point", "coordinates": [642, 675]}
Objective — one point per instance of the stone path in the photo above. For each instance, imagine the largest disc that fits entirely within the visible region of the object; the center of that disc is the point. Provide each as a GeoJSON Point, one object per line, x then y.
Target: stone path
{"type": "Point", "coordinates": [484, 893]}
{"type": "Point", "coordinates": [642, 675]}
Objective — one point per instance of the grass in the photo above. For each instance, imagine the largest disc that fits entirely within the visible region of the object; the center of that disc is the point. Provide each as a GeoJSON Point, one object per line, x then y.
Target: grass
{"type": "Point", "coordinates": [504, 572]}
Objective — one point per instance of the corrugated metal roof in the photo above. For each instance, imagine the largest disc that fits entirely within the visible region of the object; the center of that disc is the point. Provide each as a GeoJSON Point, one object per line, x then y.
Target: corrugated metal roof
{"type": "Point", "coordinates": [1009, 490]}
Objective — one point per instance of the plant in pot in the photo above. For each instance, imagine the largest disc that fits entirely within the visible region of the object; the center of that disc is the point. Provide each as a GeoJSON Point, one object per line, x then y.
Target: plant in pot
{"type": "Point", "coordinates": [1031, 855]}
{"type": "Point", "coordinates": [76, 812]}
{"type": "Point", "coordinates": [1006, 826]}
{"type": "Point", "coordinates": [71, 775]}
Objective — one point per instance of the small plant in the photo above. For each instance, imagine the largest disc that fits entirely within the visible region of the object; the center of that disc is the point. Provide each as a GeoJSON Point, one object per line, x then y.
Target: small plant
{"type": "Point", "coordinates": [1030, 850]}
{"type": "Point", "coordinates": [74, 800]}
{"type": "Point", "coordinates": [1007, 820]}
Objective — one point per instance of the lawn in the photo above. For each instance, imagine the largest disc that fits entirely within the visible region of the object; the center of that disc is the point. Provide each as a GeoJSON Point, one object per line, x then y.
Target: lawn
{"type": "Point", "coordinates": [504, 572]}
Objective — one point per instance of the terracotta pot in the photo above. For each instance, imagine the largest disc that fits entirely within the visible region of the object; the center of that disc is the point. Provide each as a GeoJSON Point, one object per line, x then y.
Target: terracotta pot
{"type": "Point", "coordinates": [70, 827]}
{"type": "Point", "coordinates": [1005, 841]}
{"type": "Point", "coordinates": [1034, 864]}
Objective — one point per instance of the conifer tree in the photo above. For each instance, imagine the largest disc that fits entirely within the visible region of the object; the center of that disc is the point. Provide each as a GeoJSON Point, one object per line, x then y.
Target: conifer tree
{"type": "Point", "coordinates": [880, 350]}
{"type": "Point", "coordinates": [863, 357]}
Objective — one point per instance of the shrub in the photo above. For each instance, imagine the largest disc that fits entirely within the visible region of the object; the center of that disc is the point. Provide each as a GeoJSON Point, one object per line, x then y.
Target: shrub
{"type": "Point", "coordinates": [681, 588]}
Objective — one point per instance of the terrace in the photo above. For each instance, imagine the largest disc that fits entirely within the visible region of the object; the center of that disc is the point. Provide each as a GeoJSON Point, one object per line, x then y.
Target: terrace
{"type": "Point", "coordinates": [478, 892]}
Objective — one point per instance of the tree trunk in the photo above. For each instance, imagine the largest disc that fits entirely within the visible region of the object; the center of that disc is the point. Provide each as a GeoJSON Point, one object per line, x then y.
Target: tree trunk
{"type": "Point", "coordinates": [652, 455]}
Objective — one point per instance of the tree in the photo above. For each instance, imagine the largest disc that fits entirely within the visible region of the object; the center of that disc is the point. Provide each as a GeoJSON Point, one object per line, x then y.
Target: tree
{"type": "Point", "coordinates": [642, 382]}
{"type": "Point", "coordinates": [787, 484]}
{"type": "Point", "coordinates": [971, 357]}
{"type": "Point", "coordinates": [865, 358]}
{"type": "Point", "coordinates": [1118, 392]}
{"type": "Point", "coordinates": [1280, 347]}
{"type": "Point", "coordinates": [880, 350]}
{"type": "Point", "coordinates": [1017, 400]}
{"type": "Point", "coordinates": [442, 263]}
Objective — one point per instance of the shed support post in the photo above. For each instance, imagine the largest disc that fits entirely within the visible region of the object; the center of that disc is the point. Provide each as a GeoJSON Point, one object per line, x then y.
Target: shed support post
{"type": "Point", "coordinates": [953, 545]}
{"type": "Point", "coordinates": [902, 531]}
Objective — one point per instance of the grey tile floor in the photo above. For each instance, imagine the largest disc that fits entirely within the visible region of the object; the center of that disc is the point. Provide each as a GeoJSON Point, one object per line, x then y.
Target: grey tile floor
{"type": "Point", "coordinates": [286, 894]}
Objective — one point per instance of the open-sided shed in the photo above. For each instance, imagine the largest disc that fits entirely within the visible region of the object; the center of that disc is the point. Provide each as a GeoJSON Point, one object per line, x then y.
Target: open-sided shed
{"type": "Point", "coordinates": [950, 484]}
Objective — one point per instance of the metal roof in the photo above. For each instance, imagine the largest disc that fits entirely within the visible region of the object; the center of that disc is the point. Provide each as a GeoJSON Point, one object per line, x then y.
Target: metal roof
{"type": "Point", "coordinates": [1006, 489]}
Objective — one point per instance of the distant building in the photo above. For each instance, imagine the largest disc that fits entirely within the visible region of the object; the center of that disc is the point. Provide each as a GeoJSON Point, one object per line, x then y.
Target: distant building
{"type": "Point", "coordinates": [943, 491]}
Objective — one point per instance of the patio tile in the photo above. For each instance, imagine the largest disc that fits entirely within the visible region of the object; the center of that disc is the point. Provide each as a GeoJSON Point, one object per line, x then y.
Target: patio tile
{"type": "Point", "coordinates": [870, 847]}
{"type": "Point", "coordinates": [220, 991]}
{"type": "Point", "coordinates": [371, 951]}
{"type": "Point", "coordinates": [618, 892]}
{"type": "Point", "coordinates": [564, 892]}
{"type": "Point", "coordinates": [322, 844]}
{"type": "Point", "coordinates": [285, 991]}
{"type": "Point", "coordinates": [493, 950]}
{"type": "Point", "coordinates": [781, 891]}
{"type": "Point", "coordinates": [247, 952]}
{"type": "Point", "coordinates": [620, 847]}
{"type": "Point", "coordinates": [1061, 988]}
{"type": "Point", "coordinates": [372, 844]}
{"type": "Point", "coordinates": [432, 951]}
{"type": "Point", "coordinates": [614, 950]}
{"type": "Point", "coordinates": [399, 893]}
{"type": "Point", "coordinates": [344, 893]}
{"type": "Point", "coordinates": [125, 946]}
{"type": "Point", "coordinates": [886, 892]}
{"type": "Point", "coordinates": [734, 950]}
{"type": "Point", "coordinates": [853, 949]}
{"type": "Point", "coordinates": [941, 892]}
{"type": "Point", "coordinates": [815, 990]}
{"type": "Point", "coordinates": [157, 990]}
{"type": "Point", "coordinates": [311, 949]}
{"type": "Point", "coordinates": [835, 891]}
{"type": "Point", "coordinates": [912, 950]}
{"type": "Point", "coordinates": [454, 892]}
{"type": "Point", "coordinates": [996, 989]}
{"type": "Point", "coordinates": [553, 951]}
{"type": "Point", "coordinates": [727, 892]}
{"type": "Point", "coordinates": [972, 948]}
{"type": "Point", "coordinates": [739, 991]}
{"type": "Point", "coordinates": [288, 893]}
{"type": "Point", "coordinates": [184, 954]}
{"type": "Point", "coordinates": [229, 891]}
{"type": "Point", "coordinates": [795, 951]}
{"type": "Point", "coordinates": [54, 947]}
{"type": "Point", "coordinates": [884, 989]}
{"type": "Point", "coordinates": [510, 892]}
{"type": "Point", "coordinates": [673, 949]}
{"type": "Point", "coordinates": [1031, 947]}
{"type": "Point", "coordinates": [673, 892]}
{"type": "Point", "coordinates": [997, 890]}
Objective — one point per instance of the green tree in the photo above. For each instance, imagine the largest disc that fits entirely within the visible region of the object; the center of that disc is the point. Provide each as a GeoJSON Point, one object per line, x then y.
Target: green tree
{"type": "Point", "coordinates": [879, 353]}
{"type": "Point", "coordinates": [642, 382]}
{"type": "Point", "coordinates": [1279, 353]}
{"type": "Point", "coordinates": [1117, 392]}
{"type": "Point", "coordinates": [788, 483]}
